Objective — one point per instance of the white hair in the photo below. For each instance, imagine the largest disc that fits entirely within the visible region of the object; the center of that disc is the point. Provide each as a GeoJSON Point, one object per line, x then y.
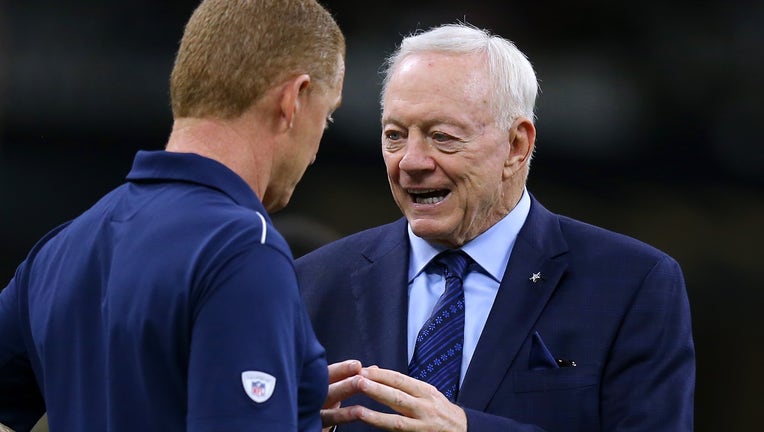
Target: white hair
{"type": "Point", "coordinates": [512, 77]}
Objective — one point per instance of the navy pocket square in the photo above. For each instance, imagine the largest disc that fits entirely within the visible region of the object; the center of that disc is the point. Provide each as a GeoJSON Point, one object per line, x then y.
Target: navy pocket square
{"type": "Point", "coordinates": [540, 357]}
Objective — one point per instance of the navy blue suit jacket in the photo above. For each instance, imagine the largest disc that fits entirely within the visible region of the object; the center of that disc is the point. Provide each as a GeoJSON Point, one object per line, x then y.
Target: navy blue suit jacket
{"type": "Point", "coordinates": [614, 306]}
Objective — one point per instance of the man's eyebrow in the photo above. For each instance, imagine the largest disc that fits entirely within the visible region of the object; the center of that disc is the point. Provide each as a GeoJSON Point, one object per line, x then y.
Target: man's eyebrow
{"type": "Point", "coordinates": [390, 119]}
{"type": "Point", "coordinates": [426, 122]}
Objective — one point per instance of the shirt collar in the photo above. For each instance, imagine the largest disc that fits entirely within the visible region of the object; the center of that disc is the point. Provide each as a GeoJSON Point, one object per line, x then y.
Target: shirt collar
{"type": "Point", "coordinates": [189, 167]}
{"type": "Point", "coordinates": [490, 250]}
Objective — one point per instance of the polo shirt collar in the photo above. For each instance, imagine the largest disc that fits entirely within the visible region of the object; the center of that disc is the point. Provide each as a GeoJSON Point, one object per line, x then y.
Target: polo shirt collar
{"type": "Point", "coordinates": [160, 165]}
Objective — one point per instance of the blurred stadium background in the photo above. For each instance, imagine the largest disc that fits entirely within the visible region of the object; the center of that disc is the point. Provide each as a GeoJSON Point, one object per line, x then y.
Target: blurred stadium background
{"type": "Point", "coordinates": [649, 123]}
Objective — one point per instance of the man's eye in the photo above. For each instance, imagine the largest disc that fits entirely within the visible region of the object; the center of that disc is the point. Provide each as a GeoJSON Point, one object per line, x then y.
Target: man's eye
{"type": "Point", "coordinates": [329, 121]}
{"type": "Point", "coordinates": [393, 135]}
{"type": "Point", "coordinates": [440, 137]}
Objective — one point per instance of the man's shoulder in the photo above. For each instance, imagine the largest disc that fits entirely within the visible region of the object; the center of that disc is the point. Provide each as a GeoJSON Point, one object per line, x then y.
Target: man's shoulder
{"type": "Point", "coordinates": [199, 216]}
{"type": "Point", "coordinates": [358, 244]}
{"type": "Point", "coordinates": [585, 239]}
{"type": "Point", "coordinates": [588, 240]}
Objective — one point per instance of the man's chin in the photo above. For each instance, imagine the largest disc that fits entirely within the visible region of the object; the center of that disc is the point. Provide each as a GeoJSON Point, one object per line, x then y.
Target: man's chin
{"type": "Point", "coordinates": [428, 229]}
{"type": "Point", "coordinates": [275, 204]}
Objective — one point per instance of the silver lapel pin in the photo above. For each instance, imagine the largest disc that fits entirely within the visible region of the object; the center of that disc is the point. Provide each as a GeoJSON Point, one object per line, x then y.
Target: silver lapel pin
{"type": "Point", "coordinates": [535, 277]}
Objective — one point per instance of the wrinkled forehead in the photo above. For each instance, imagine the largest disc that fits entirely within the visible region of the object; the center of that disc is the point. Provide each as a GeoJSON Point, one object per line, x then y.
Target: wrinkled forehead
{"type": "Point", "coordinates": [434, 75]}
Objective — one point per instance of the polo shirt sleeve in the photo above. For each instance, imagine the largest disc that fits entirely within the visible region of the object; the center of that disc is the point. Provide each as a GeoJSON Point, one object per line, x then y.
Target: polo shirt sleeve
{"type": "Point", "coordinates": [21, 403]}
{"type": "Point", "coordinates": [247, 346]}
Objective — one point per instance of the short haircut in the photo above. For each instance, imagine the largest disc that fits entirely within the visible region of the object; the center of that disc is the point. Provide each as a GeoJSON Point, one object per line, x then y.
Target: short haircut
{"type": "Point", "coordinates": [233, 51]}
{"type": "Point", "coordinates": [513, 79]}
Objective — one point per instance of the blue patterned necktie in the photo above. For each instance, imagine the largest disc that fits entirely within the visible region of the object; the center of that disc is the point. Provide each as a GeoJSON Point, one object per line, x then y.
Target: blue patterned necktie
{"type": "Point", "coordinates": [437, 355]}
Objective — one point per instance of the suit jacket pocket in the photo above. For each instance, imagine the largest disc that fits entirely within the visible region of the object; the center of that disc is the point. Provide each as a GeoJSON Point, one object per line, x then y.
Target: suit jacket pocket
{"type": "Point", "coordinates": [556, 379]}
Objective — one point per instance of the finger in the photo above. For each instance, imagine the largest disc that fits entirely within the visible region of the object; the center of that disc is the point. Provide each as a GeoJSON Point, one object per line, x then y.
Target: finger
{"type": "Point", "coordinates": [340, 391]}
{"type": "Point", "coordinates": [386, 421]}
{"type": "Point", "coordinates": [394, 398]}
{"type": "Point", "coordinates": [344, 369]}
{"type": "Point", "coordinates": [433, 412]}
{"type": "Point", "coordinates": [397, 380]}
{"type": "Point", "coordinates": [337, 416]}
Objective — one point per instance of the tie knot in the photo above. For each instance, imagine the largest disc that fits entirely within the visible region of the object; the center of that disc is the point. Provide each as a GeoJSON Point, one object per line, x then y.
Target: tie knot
{"type": "Point", "coordinates": [455, 263]}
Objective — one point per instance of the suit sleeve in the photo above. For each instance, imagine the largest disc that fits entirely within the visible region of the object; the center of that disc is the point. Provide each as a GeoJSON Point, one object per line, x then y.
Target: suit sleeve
{"type": "Point", "coordinates": [21, 402]}
{"type": "Point", "coordinates": [649, 382]}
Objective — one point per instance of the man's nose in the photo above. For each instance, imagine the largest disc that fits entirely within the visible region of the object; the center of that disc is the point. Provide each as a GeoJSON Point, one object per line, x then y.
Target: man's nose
{"type": "Point", "coordinates": [418, 156]}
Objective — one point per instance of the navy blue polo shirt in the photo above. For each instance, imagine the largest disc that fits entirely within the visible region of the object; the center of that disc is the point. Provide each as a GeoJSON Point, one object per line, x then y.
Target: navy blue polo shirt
{"type": "Point", "coordinates": [171, 304]}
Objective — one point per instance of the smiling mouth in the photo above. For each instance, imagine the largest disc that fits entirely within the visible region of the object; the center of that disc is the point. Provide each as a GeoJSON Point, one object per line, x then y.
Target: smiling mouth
{"type": "Point", "coordinates": [429, 196]}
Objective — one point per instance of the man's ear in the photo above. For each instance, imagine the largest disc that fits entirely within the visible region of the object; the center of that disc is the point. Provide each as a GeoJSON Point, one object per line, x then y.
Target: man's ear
{"type": "Point", "coordinates": [290, 102]}
{"type": "Point", "coordinates": [522, 138]}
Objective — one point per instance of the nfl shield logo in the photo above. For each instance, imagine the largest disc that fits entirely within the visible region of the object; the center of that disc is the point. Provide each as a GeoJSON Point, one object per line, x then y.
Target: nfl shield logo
{"type": "Point", "coordinates": [258, 385]}
{"type": "Point", "coordinates": [258, 388]}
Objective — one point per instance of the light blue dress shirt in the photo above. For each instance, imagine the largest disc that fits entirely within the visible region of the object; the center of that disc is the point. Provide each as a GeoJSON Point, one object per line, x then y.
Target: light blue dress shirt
{"type": "Point", "coordinates": [491, 251]}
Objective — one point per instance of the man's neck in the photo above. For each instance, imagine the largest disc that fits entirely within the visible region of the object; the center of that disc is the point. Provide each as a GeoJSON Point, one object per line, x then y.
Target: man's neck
{"type": "Point", "coordinates": [229, 142]}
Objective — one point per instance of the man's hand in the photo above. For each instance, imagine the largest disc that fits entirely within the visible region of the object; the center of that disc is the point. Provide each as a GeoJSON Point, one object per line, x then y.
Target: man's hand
{"type": "Point", "coordinates": [421, 407]}
{"type": "Point", "coordinates": [341, 387]}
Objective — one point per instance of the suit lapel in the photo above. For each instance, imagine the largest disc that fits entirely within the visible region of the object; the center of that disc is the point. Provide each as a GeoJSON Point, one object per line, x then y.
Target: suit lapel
{"type": "Point", "coordinates": [381, 292]}
{"type": "Point", "coordinates": [517, 306]}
